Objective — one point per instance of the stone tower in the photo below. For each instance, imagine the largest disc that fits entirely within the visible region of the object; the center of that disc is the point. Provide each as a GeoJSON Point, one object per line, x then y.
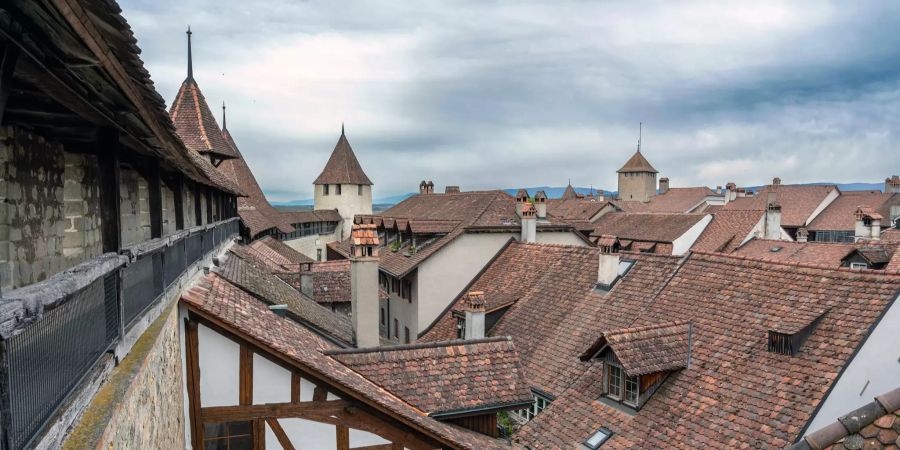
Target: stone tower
{"type": "Point", "coordinates": [637, 179]}
{"type": "Point", "coordinates": [343, 185]}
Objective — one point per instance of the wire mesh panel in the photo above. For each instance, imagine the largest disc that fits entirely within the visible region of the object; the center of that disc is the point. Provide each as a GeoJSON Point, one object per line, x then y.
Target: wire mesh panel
{"type": "Point", "coordinates": [50, 357]}
{"type": "Point", "coordinates": [193, 246]}
{"type": "Point", "coordinates": [208, 241]}
{"type": "Point", "coordinates": [173, 262]}
{"type": "Point", "coordinates": [138, 288]}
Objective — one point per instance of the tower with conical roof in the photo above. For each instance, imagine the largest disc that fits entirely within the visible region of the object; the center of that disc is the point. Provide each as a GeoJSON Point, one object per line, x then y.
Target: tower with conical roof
{"type": "Point", "coordinates": [637, 179]}
{"type": "Point", "coordinates": [343, 185]}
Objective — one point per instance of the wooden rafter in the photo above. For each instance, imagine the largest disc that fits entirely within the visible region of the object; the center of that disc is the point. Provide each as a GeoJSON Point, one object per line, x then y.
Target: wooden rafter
{"type": "Point", "coordinates": [280, 434]}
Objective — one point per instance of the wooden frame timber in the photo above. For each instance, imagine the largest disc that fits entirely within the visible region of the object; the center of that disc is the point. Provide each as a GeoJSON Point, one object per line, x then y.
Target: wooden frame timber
{"type": "Point", "coordinates": [351, 411]}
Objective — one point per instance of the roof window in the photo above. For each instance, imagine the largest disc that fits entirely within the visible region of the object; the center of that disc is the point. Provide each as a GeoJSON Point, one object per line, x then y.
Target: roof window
{"type": "Point", "coordinates": [598, 438]}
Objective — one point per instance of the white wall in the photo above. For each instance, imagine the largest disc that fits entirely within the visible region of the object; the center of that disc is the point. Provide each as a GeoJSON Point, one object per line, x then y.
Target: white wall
{"type": "Point", "coordinates": [309, 244]}
{"type": "Point", "coordinates": [348, 204]}
{"type": "Point", "coordinates": [877, 363]}
{"type": "Point", "coordinates": [442, 276]}
{"type": "Point", "coordinates": [686, 240]}
{"type": "Point", "coordinates": [219, 365]}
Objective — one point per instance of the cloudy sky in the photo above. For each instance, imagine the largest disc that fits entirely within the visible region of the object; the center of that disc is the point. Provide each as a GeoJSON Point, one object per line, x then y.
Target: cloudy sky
{"type": "Point", "coordinates": [507, 94]}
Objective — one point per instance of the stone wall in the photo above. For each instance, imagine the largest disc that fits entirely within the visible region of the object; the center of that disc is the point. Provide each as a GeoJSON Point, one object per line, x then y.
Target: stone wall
{"type": "Point", "coordinates": [134, 207]}
{"type": "Point", "coordinates": [82, 238]}
{"type": "Point", "coordinates": [168, 210]}
{"type": "Point", "coordinates": [32, 220]}
{"type": "Point", "coordinates": [188, 206]}
{"type": "Point", "coordinates": [309, 245]}
{"type": "Point", "coordinates": [141, 404]}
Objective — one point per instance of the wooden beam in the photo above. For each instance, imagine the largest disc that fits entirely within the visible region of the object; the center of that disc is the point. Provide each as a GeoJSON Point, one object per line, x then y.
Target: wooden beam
{"type": "Point", "coordinates": [198, 212]}
{"type": "Point", "coordinates": [209, 209]}
{"type": "Point", "coordinates": [245, 377]}
{"type": "Point", "coordinates": [154, 194]}
{"type": "Point", "coordinates": [176, 183]}
{"type": "Point", "coordinates": [342, 435]}
{"type": "Point", "coordinates": [9, 55]}
{"type": "Point", "coordinates": [276, 410]}
{"type": "Point", "coordinates": [108, 151]}
{"type": "Point", "coordinates": [193, 381]}
{"type": "Point", "coordinates": [280, 434]}
{"type": "Point", "coordinates": [379, 447]}
{"type": "Point", "coordinates": [320, 393]}
{"type": "Point", "coordinates": [357, 418]}
{"type": "Point", "coordinates": [259, 434]}
{"type": "Point", "coordinates": [295, 387]}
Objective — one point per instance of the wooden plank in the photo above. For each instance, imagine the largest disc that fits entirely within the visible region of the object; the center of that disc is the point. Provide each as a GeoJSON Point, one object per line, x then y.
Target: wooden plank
{"type": "Point", "coordinates": [193, 382]}
{"type": "Point", "coordinates": [245, 377]}
{"type": "Point", "coordinates": [277, 410]}
{"type": "Point", "coordinates": [295, 387]}
{"type": "Point", "coordinates": [259, 434]}
{"type": "Point", "coordinates": [280, 434]}
{"type": "Point", "coordinates": [342, 435]}
{"type": "Point", "coordinates": [9, 55]}
{"type": "Point", "coordinates": [356, 418]}
{"type": "Point", "coordinates": [320, 393]}
{"type": "Point", "coordinates": [108, 150]}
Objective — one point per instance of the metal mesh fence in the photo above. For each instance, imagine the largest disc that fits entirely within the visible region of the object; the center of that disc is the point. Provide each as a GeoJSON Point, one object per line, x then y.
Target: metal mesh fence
{"type": "Point", "coordinates": [173, 262]}
{"type": "Point", "coordinates": [48, 359]}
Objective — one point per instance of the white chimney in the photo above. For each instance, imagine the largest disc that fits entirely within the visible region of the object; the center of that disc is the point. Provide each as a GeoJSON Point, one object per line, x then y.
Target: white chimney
{"type": "Point", "coordinates": [521, 199]}
{"type": "Point", "coordinates": [802, 234]}
{"type": "Point", "coordinates": [364, 284]}
{"type": "Point", "coordinates": [892, 184]}
{"type": "Point", "coordinates": [663, 185]}
{"type": "Point", "coordinates": [529, 223]}
{"type": "Point", "coordinates": [773, 217]}
{"type": "Point", "coordinates": [474, 309]}
{"type": "Point", "coordinates": [730, 192]}
{"type": "Point", "coordinates": [608, 266]}
{"type": "Point", "coordinates": [540, 204]}
{"type": "Point", "coordinates": [868, 224]}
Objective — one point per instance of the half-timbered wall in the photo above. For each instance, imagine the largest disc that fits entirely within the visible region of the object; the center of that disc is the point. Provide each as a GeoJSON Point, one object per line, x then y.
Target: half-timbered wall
{"type": "Point", "coordinates": [219, 359]}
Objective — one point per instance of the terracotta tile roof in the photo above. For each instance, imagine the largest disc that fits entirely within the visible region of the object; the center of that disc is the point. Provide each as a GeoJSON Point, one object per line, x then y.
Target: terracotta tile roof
{"type": "Point", "coordinates": [446, 377]}
{"type": "Point", "coordinates": [867, 212]}
{"type": "Point", "coordinates": [675, 200]}
{"type": "Point", "coordinates": [840, 214]}
{"type": "Point", "coordinates": [279, 251]}
{"type": "Point", "coordinates": [232, 308]}
{"type": "Point", "coordinates": [273, 291]}
{"type": "Point", "coordinates": [797, 202]}
{"type": "Point", "coordinates": [196, 124]}
{"type": "Point", "coordinates": [320, 215]}
{"type": "Point", "coordinates": [637, 163]}
{"type": "Point", "coordinates": [645, 227]}
{"type": "Point", "coordinates": [873, 426]}
{"type": "Point", "coordinates": [331, 282]}
{"type": "Point", "coordinates": [342, 167]}
{"type": "Point", "coordinates": [727, 230]}
{"type": "Point", "coordinates": [263, 260]}
{"type": "Point", "coordinates": [569, 193]}
{"type": "Point", "coordinates": [892, 236]}
{"type": "Point", "coordinates": [364, 234]}
{"type": "Point", "coordinates": [735, 392]}
{"type": "Point", "coordinates": [214, 175]}
{"type": "Point", "coordinates": [649, 349]}
{"type": "Point", "coordinates": [826, 254]}
{"type": "Point", "coordinates": [575, 209]}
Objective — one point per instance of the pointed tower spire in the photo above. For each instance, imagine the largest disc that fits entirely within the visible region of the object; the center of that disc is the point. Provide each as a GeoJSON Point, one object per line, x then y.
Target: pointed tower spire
{"type": "Point", "coordinates": [342, 128]}
{"type": "Point", "coordinates": [640, 135]}
{"type": "Point", "coordinates": [190, 74]}
{"type": "Point", "coordinates": [223, 116]}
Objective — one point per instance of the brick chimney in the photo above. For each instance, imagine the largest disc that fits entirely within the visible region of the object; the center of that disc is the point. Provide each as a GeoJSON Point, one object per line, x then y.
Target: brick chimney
{"type": "Point", "coordinates": [474, 309]}
{"type": "Point", "coordinates": [430, 187]}
{"type": "Point", "coordinates": [529, 223]}
{"type": "Point", "coordinates": [663, 185]}
{"type": "Point", "coordinates": [802, 234]}
{"type": "Point", "coordinates": [608, 266]}
{"type": "Point", "coordinates": [868, 224]}
{"type": "Point", "coordinates": [521, 199]}
{"type": "Point", "coordinates": [364, 284]}
{"type": "Point", "coordinates": [540, 204]}
{"type": "Point", "coordinates": [892, 184]}
{"type": "Point", "coordinates": [423, 187]}
{"type": "Point", "coordinates": [773, 217]}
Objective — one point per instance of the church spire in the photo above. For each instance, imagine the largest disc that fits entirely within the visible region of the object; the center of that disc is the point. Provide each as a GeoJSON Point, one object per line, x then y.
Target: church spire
{"type": "Point", "coordinates": [190, 73]}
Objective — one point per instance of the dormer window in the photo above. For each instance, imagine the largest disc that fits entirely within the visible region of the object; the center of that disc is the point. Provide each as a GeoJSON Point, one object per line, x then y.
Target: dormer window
{"type": "Point", "coordinates": [789, 330]}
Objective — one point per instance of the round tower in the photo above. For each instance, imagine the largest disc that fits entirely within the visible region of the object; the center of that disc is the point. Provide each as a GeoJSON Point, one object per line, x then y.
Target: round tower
{"type": "Point", "coordinates": [343, 185]}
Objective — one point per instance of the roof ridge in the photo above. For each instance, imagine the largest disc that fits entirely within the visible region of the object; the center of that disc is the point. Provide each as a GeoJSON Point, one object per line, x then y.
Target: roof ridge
{"type": "Point", "coordinates": [417, 346]}
{"type": "Point", "coordinates": [674, 323]}
{"type": "Point", "coordinates": [838, 270]}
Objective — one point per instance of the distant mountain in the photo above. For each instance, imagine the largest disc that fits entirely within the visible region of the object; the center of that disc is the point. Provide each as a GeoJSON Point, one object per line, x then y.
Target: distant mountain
{"type": "Point", "coordinates": [557, 192]}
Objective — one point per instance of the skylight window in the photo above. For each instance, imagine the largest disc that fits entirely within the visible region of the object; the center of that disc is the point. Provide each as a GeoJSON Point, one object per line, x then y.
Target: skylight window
{"type": "Point", "coordinates": [775, 249]}
{"type": "Point", "coordinates": [598, 438]}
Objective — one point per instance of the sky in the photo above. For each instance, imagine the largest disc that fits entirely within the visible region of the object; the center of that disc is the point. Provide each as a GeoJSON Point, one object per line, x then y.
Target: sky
{"type": "Point", "coordinates": [486, 94]}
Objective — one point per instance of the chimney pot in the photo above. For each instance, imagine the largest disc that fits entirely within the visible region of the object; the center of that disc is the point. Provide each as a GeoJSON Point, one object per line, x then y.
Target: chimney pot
{"type": "Point", "coordinates": [663, 185]}
{"type": "Point", "coordinates": [892, 184]}
{"type": "Point", "coordinates": [608, 263]}
{"type": "Point", "coordinates": [776, 181]}
{"type": "Point", "coordinates": [802, 234]}
{"type": "Point", "coordinates": [474, 311]}
{"type": "Point", "coordinates": [529, 223]}
{"type": "Point", "coordinates": [364, 284]}
{"type": "Point", "coordinates": [540, 204]}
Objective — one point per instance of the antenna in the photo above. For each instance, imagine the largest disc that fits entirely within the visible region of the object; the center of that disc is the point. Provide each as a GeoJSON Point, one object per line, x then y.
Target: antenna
{"type": "Point", "coordinates": [640, 135]}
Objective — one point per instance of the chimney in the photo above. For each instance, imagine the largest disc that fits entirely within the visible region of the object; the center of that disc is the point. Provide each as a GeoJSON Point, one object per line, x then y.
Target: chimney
{"type": "Point", "coordinates": [474, 309]}
{"type": "Point", "coordinates": [540, 204]}
{"type": "Point", "coordinates": [802, 234]}
{"type": "Point", "coordinates": [529, 223]}
{"type": "Point", "coordinates": [521, 199]}
{"type": "Point", "coordinates": [430, 187]}
{"type": "Point", "coordinates": [364, 284]}
{"type": "Point", "coordinates": [730, 192]}
{"type": "Point", "coordinates": [451, 190]}
{"type": "Point", "coordinates": [600, 195]}
{"type": "Point", "coordinates": [895, 214]}
{"type": "Point", "coordinates": [892, 185]}
{"type": "Point", "coordinates": [608, 267]}
{"type": "Point", "coordinates": [773, 217]}
{"type": "Point", "coordinates": [718, 189]}
{"type": "Point", "coordinates": [423, 188]}
{"type": "Point", "coordinates": [776, 181]}
{"type": "Point", "coordinates": [868, 224]}
{"type": "Point", "coordinates": [663, 185]}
